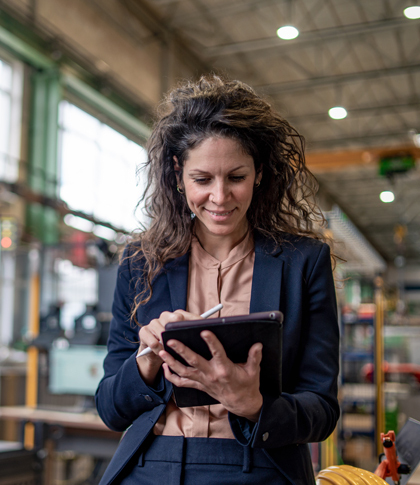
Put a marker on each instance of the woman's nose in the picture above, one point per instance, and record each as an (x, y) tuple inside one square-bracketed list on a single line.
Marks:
[(220, 193)]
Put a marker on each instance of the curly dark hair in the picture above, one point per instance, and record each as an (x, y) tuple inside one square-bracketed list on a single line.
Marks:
[(284, 201)]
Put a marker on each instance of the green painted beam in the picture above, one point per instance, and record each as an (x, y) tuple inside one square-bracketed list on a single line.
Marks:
[(24, 51), (104, 105)]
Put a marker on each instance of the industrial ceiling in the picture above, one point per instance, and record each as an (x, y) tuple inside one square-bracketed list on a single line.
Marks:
[(363, 55)]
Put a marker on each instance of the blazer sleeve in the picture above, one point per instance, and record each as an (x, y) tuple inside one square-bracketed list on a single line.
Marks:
[(122, 394), (310, 412)]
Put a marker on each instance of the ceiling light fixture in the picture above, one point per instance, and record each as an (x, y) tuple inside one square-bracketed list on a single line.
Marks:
[(415, 136), (412, 12), (387, 196), (287, 32), (337, 113)]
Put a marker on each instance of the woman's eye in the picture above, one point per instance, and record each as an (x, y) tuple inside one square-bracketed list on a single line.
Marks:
[(206, 180), (237, 178)]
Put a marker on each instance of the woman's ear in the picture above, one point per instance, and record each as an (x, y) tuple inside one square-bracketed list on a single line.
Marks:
[(258, 177), (177, 169)]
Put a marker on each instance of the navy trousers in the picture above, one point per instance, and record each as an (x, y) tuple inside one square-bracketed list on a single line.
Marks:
[(175, 460)]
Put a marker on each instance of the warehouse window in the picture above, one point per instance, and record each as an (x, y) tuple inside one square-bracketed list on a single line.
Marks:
[(11, 75), (98, 169)]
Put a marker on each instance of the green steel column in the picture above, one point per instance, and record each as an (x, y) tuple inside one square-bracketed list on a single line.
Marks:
[(42, 221)]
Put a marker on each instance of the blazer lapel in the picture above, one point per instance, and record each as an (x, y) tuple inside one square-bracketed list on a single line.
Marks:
[(267, 277), (266, 280), (177, 274)]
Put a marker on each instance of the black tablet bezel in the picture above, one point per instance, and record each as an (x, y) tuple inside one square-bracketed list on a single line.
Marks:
[(238, 333)]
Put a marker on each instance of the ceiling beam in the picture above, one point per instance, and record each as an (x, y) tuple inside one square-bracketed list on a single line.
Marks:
[(408, 105), (158, 25), (381, 228), (222, 33), (388, 139), (342, 159), (316, 81), (311, 38), (223, 11)]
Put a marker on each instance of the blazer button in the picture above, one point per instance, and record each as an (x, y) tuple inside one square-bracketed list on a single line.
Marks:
[(148, 398), (265, 436)]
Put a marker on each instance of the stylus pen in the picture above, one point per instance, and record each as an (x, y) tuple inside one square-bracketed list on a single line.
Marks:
[(206, 314)]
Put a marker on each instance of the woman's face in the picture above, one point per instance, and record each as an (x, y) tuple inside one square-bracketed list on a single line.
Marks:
[(219, 179)]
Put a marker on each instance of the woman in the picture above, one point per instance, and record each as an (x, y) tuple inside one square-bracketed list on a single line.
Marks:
[(232, 221)]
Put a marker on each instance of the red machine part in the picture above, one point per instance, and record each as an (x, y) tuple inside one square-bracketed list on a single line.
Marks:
[(392, 368)]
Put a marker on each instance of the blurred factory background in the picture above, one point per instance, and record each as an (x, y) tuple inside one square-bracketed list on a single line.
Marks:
[(80, 82)]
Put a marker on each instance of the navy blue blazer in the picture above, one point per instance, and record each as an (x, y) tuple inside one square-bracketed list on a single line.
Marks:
[(296, 279)]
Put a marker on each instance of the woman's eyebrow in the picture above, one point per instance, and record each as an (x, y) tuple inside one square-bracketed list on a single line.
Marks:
[(238, 168), (197, 170)]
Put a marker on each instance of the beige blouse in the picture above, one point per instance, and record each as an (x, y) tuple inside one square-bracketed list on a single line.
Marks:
[(211, 282)]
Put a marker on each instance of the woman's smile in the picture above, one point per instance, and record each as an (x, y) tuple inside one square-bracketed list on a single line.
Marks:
[(220, 214)]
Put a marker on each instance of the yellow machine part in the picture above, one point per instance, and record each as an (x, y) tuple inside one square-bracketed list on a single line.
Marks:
[(347, 475)]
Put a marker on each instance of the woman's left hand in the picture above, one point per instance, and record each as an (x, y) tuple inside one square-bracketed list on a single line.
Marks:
[(235, 386)]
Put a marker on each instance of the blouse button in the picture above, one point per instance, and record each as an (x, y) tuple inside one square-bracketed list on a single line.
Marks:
[(148, 398), (265, 436)]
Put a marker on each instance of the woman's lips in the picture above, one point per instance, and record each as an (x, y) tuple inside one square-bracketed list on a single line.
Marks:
[(220, 213)]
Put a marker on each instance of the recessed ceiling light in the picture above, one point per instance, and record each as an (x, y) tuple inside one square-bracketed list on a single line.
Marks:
[(287, 32), (412, 12), (337, 113), (387, 196)]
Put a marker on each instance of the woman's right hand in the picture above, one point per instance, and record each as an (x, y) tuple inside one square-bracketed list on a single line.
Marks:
[(150, 336)]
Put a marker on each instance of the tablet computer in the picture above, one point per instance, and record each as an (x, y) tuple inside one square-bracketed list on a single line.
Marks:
[(237, 335)]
